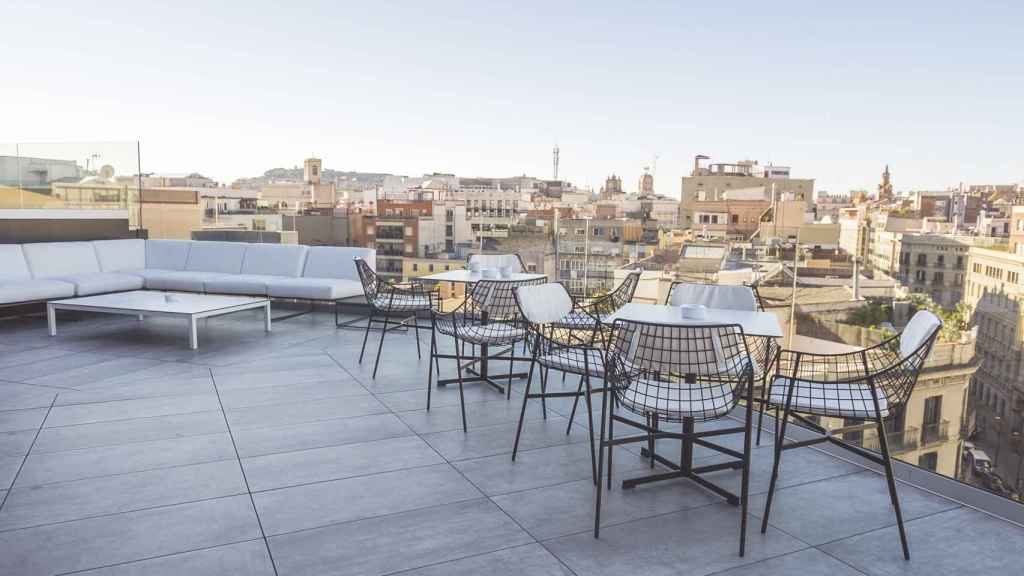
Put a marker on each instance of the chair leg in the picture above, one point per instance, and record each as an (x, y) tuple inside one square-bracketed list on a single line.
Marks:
[(430, 366), (779, 440), (380, 346), (522, 413), (575, 402), (462, 397), (745, 483), (590, 429), (416, 332), (890, 478), (611, 435), (760, 412), (511, 369), (600, 463), (652, 422), (366, 335), (544, 391)]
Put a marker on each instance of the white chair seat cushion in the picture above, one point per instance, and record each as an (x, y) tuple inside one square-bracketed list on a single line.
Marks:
[(573, 360), (678, 400), (30, 290), (313, 288), (87, 284), (176, 280), (492, 333), (248, 284), (840, 399), (577, 319), (402, 302), (55, 259)]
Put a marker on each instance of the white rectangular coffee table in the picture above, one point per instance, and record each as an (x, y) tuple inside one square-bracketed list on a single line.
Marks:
[(148, 303)]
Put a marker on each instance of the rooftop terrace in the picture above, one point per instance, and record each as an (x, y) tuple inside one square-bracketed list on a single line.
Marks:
[(124, 452)]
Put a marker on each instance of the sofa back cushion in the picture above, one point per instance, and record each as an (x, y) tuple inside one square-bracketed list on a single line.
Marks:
[(274, 259), (12, 263), (167, 254), (115, 255), (50, 259), (336, 262), (222, 257)]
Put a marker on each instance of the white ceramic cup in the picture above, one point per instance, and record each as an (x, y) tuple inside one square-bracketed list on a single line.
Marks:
[(474, 266), (489, 273)]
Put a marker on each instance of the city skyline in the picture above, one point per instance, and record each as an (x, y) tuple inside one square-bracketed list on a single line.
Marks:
[(835, 92)]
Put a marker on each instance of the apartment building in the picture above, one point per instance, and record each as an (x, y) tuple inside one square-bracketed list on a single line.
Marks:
[(591, 250), (935, 264), (401, 229), (491, 207), (727, 200)]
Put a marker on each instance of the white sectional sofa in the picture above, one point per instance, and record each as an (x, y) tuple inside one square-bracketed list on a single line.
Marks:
[(45, 271)]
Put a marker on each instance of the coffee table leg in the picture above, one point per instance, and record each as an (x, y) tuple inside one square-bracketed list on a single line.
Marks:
[(51, 319), (266, 315), (193, 333)]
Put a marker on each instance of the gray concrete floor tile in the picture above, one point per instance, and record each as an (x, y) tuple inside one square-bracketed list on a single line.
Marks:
[(532, 559), (248, 558), (148, 388), (107, 540), (134, 408), (446, 396), (699, 541), (289, 392), (28, 419), (285, 414), (130, 431), (318, 434), (539, 467), (336, 462), (323, 503), (444, 418), (565, 509), (953, 543), (809, 562), (9, 466), (85, 375), (482, 440), (403, 541), (43, 368), (798, 467), (16, 443), (15, 357), (14, 396), (62, 501), (835, 508), (124, 458)]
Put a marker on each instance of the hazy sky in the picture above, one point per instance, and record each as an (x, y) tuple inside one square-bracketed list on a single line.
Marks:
[(835, 90)]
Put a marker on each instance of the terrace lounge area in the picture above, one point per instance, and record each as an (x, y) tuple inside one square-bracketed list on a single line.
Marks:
[(122, 451)]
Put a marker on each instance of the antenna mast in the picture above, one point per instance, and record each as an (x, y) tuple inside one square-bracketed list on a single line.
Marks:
[(554, 154)]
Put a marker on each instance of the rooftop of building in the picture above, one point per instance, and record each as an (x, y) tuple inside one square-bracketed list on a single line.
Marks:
[(279, 453)]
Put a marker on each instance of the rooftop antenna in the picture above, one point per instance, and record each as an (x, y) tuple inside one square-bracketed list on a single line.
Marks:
[(554, 154)]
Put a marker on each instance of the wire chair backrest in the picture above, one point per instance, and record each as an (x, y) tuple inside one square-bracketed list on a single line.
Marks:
[(498, 261), (720, 296), (663, 365), (546, 309), (914, 345), (368, 278), (622, 295), (496, 299)]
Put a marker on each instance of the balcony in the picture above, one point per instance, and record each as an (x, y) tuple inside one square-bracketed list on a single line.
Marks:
[(934, 433), (900, 441)]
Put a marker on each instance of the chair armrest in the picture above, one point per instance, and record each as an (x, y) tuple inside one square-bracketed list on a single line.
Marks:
[(855, 366)]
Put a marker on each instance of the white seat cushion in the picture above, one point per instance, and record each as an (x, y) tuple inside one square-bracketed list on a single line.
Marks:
[(248, 284), (402, 302), (313, 288), (493, 333), (53, 259), (103, 282), (15, 291), (336, 262), (544, 303), (13, 266), (118, 255), (274, 260), (720, 296), (919, 329), (573, 360), (167, 254), (678, 400), (178, 280), (840, 399), (218, 257)]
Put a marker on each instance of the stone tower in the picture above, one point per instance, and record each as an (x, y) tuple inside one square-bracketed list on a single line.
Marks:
[(311, 170), (885, 188)]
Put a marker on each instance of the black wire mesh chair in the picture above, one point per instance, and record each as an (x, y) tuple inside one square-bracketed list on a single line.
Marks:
[(591, 313), (386, 299), (763, 349), (685, 374), (867, 384), (489, 316), (557, 344)]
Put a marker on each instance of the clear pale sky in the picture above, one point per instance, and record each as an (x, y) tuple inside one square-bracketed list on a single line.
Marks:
[(229, 89)]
